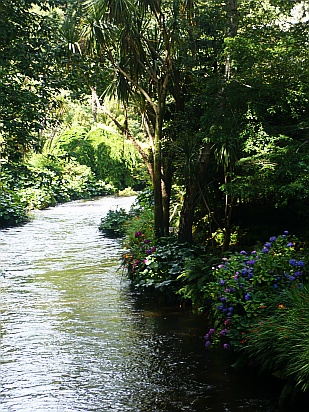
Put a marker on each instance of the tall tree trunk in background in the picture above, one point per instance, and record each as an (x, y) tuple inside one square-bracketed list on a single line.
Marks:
[(166, 183), (191, 194), (232, 18), (157, 163), (94, 105), (231, 31), (187, 214)]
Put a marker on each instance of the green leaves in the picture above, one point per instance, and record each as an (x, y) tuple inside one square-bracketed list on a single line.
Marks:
[(27, 75), (113, 224), (246, 287)]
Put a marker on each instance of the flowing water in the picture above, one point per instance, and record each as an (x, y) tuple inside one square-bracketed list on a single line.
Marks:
[(74, 337)]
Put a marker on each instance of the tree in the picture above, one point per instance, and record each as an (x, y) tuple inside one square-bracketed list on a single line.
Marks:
[(194, 71), (139, 43), (28, 73), (267, 72)]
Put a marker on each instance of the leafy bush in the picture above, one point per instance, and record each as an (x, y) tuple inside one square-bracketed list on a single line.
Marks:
[(113, 223), (159, 264), (110, 157), (37, 198), (12, 210), (244, 287), (195, 276)]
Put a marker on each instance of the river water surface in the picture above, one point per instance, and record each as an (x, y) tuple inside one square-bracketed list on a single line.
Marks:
[(74, 337)]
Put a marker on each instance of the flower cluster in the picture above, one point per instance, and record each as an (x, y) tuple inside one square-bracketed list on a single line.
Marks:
[(140, 249), (245, 286)]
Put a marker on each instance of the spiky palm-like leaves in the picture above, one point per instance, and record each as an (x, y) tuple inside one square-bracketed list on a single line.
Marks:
[(280, 343)]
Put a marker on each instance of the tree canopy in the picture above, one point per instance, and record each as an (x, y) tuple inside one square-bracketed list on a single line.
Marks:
[(220, 90)]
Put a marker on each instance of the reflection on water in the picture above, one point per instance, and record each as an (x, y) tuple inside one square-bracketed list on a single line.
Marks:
[(75, 338)]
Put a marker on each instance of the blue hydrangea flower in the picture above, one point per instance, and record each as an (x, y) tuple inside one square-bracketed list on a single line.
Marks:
[(300, 263), (272, 239), (293, 262)]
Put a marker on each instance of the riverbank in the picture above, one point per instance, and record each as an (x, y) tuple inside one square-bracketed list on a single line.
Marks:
[(256, 300), (76, 336)]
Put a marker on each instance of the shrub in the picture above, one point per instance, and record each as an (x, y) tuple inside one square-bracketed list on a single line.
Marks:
[(37, 198), (12, 209), (158, 265), (245, 286), (113, 223)]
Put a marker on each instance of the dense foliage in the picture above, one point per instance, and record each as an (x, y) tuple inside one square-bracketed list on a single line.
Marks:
[(50, 181), (104, 151), (253, 300), (213, 98), (279, 342), (113, 224), (30, 73), (245, 288)]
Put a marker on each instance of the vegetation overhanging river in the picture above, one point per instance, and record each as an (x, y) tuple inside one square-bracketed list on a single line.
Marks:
[(75, 337)]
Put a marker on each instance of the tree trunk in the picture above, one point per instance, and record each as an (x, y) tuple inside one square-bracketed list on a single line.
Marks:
[(187, 215), (158, 206), (193, 189), (167, 174)]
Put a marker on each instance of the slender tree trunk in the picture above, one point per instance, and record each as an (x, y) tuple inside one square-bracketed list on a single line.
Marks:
[(193, 189), (187, 215), (94, 105), (167, 175), (158, 205), (231, 31), (232, 18)]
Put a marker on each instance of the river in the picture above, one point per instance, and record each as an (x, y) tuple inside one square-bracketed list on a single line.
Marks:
[(75, 337)]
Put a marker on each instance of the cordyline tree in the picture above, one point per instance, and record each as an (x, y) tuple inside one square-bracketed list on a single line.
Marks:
[(153, 51), (211, 120), (137, 42)]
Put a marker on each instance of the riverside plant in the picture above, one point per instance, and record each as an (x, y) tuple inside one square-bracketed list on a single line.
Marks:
[(279, 344), (157, 264), (139, 248), (113, 224), (246, 286)]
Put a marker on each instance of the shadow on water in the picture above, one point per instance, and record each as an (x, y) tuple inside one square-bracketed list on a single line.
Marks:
[(187, 376)]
